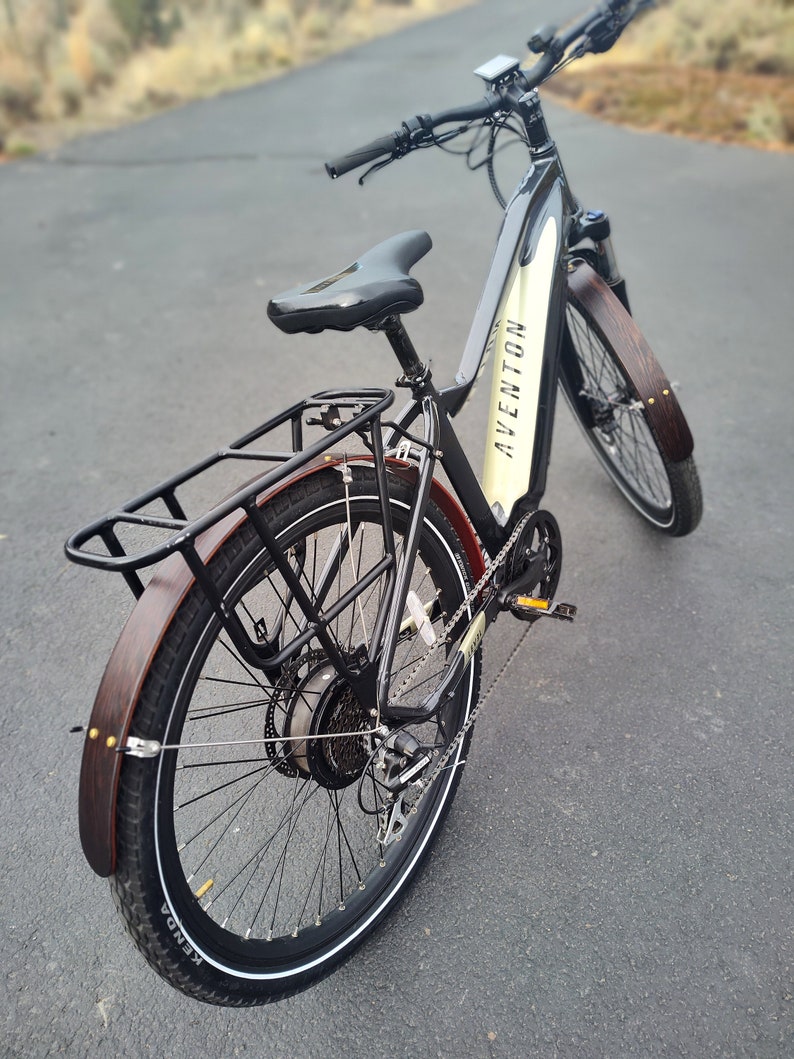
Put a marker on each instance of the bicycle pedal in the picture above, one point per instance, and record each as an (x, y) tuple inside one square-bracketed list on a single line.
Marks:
[(527, 608)]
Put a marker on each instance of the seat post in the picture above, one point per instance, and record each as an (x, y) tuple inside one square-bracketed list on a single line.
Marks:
[(413, 368)]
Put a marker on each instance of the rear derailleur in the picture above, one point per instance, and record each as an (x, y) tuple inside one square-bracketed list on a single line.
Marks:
[(401, 762)]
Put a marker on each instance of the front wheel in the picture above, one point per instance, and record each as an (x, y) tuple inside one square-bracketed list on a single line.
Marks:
[(607, 405), (247, 869)]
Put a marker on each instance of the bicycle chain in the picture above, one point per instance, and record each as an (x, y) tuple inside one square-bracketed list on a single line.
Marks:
[(444, 638), (426, 784)]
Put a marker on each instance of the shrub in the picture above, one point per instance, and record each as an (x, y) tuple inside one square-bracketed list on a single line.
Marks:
[(69, 89), (316, 24), (36, 32), (144, 21), (766, 123), (253, 48), (752, 37), (104, 29), (20, 88)]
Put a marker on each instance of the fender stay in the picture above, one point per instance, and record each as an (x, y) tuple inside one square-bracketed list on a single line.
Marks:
[(618, 330)]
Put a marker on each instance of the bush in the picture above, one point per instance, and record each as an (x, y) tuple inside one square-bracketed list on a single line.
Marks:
[(20, 88), (766, 123), (104, 29), (316, 24), (751, 37), (145, 22), (70, 91)]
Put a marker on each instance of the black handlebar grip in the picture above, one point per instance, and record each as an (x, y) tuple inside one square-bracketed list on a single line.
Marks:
[(361, 156)]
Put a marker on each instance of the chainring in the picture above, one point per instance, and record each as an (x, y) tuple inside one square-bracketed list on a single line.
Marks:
[(540, 536)]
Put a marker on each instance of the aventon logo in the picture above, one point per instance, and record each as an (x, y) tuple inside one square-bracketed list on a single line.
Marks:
[(509, 386), (518, 363)]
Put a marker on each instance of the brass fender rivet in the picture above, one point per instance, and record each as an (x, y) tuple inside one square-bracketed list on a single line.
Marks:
[(93, 733), (666, 393), (651, 400), (110, 742)]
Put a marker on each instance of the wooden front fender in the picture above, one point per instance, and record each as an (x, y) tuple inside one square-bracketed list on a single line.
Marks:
[(120, 688), (618, 330)]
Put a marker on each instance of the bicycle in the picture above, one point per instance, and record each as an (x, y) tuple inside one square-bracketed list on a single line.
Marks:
[(283, 723)]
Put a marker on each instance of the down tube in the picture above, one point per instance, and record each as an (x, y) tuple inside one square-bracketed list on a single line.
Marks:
[(525, 340)]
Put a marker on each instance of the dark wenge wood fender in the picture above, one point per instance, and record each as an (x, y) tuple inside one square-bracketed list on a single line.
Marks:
[(618, 330), (129, 663)]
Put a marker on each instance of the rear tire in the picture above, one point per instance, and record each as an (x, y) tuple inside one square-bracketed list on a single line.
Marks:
[(245, 873)]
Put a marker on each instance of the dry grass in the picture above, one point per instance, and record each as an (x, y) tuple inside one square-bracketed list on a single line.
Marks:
[(713, 69), (746, 36), (719, 69), (726, 106), (98, 69)]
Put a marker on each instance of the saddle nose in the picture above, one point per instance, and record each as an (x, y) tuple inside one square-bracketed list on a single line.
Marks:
[(375, 286)]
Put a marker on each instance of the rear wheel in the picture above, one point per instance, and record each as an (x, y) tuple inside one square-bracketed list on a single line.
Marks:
[(606, 405), (245, 871)]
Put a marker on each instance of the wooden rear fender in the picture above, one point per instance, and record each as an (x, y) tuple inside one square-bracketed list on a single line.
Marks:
[(129, 663), (616, 328)]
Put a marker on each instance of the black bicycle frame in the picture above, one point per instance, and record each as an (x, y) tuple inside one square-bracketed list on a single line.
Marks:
[(533, 241), (541, 203), (543, 195)]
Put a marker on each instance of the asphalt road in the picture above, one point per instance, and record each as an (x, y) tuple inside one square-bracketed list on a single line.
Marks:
[(615, 877)]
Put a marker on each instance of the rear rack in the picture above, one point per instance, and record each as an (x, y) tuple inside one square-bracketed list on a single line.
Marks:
[(181, 531)]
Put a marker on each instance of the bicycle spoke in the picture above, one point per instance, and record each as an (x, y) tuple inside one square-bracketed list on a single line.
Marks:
[(621, 430), (270, 857)]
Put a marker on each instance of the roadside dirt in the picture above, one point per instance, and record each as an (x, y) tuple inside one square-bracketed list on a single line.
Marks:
[(752, 109)]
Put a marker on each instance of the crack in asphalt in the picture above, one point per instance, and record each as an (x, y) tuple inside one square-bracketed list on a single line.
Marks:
[(130, 163)]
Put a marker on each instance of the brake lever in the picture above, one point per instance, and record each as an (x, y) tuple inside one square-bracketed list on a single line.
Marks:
[(415, 144), (374, 168)]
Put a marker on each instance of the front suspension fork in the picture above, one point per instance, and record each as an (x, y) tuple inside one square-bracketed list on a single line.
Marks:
[(595, 226)]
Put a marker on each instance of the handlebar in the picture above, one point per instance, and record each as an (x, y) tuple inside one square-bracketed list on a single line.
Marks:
[(368, 153), (596, 31), (412, 133)]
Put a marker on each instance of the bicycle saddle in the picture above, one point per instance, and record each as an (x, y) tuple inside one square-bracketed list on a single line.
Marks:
[(375, 286)]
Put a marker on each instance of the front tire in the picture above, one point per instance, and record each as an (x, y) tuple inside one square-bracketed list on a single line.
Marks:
[(606, 405), (246, 872)]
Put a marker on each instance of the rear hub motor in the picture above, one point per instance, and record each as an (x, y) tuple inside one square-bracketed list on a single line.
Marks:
[(324, 705)]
